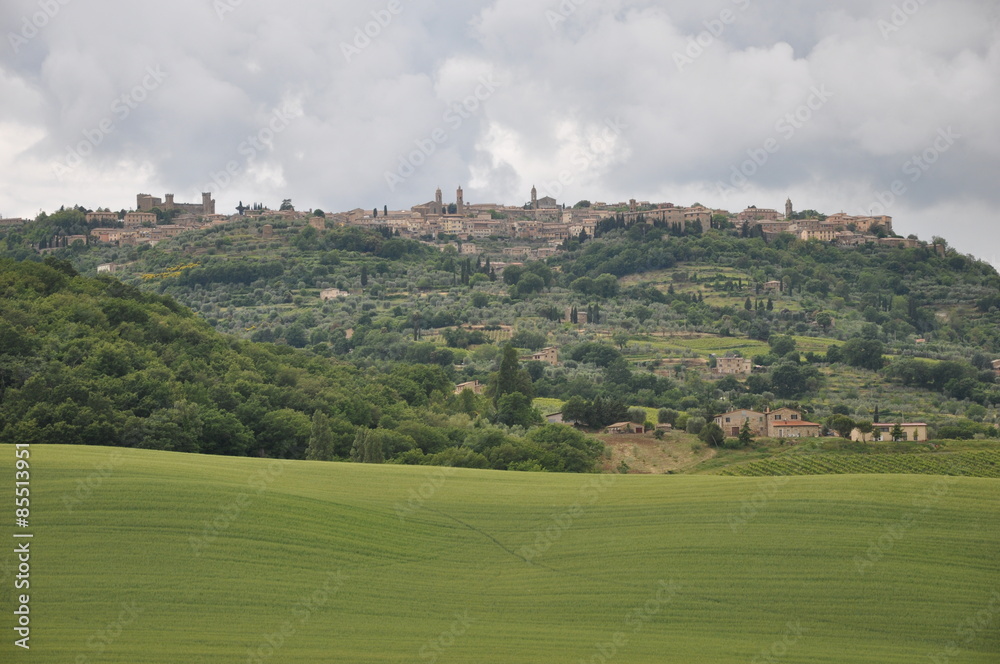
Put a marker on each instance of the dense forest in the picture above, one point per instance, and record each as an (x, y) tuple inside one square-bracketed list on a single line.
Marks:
[(97, 362)]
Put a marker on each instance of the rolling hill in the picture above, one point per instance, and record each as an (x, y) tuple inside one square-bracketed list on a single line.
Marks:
[(147, 557)]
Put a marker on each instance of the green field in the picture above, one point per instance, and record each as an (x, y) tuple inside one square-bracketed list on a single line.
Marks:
[(322, 562), (970, 464)]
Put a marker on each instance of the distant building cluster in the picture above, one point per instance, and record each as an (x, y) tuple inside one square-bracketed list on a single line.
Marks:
[(843, 229), (542, 222), (541, 219), (790, 423), (142, 225)]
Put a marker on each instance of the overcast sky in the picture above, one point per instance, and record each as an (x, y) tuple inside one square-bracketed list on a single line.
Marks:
[(724, 102)]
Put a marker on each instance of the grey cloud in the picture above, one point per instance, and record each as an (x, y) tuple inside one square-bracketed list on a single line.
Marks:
[(568, 68)]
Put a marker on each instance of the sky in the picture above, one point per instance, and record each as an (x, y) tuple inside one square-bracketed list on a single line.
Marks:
[(860, 106)]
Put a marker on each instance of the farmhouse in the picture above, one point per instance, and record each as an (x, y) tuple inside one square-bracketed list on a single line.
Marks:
[(475, 387), (332, 294), (915, 432), (623, 428), (733, 366), (547, 355), (732, 422), (781, 423)]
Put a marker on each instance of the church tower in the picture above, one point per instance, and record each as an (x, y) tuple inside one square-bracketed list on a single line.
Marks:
[(788, 209), (460, 201), (534, 198)]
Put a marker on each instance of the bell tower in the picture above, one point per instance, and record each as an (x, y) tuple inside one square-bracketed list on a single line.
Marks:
[(788, 209), (460, 201), (534, 198)]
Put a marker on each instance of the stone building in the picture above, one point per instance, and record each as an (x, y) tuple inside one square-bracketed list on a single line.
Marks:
[(145, 203), (733, 366)]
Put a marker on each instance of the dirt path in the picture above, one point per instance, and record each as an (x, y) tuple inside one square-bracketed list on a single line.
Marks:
[(647, 456)]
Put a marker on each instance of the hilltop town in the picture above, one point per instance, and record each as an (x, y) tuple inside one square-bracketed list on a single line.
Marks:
[(538, 228)]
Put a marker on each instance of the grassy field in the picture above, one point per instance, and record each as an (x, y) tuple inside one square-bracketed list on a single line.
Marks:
[(142, 557)]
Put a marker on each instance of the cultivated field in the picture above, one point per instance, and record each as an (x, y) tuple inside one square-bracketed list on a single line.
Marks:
[(169, 558)]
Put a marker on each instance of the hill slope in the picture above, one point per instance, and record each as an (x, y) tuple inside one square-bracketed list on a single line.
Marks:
[(214, 559)]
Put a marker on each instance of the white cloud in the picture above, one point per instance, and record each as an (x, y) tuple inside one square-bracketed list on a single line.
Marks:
[(565, 75)]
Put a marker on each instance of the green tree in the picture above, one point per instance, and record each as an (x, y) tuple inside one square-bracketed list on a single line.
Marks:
[(284, 433), (576, 409), (788, 380), (695, 425), (865, 427), (509, 378), (864, 353), (712, 434), (667, 416), (842, 424), (321, 442), (897, 433), (781, 345), (746, 434), (367, 447), (515, 409)]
